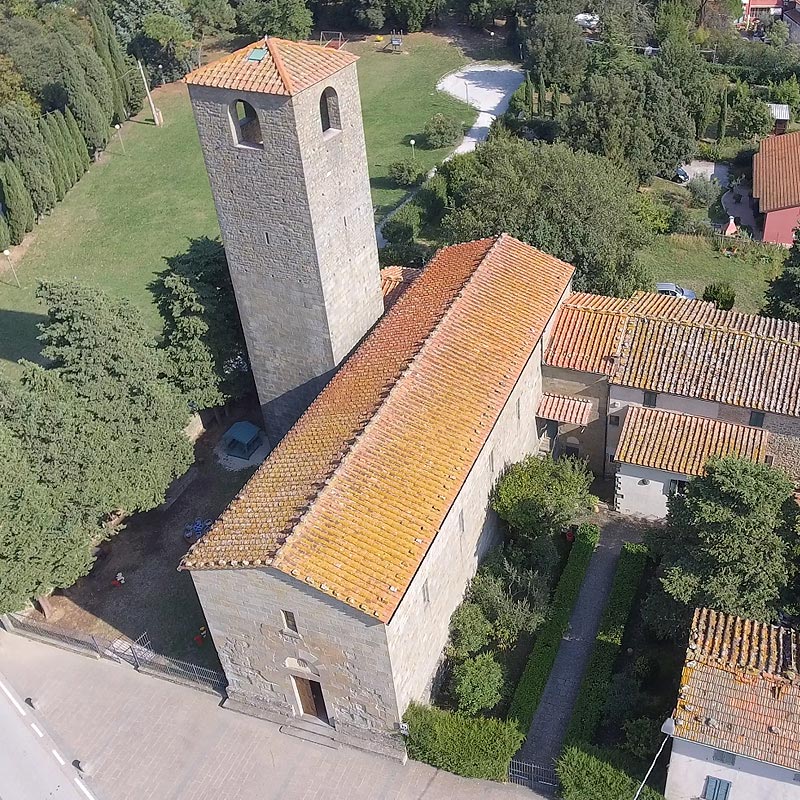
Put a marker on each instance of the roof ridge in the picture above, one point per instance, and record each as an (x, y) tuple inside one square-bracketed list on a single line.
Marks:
[(387, 392), (718, 324), (272, 46)]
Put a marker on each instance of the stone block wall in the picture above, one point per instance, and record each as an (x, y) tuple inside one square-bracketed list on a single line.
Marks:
[(419, 629), (341, 648)]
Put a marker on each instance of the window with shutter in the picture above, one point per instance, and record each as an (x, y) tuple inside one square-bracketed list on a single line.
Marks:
[(716, 789)]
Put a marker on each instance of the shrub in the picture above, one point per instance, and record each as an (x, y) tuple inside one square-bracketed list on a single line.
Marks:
[(721, 294), (642, 737), (442, 131), (477, 684), (474, 748), (705, 191), (403, 226), (404, 254), (432, 198), (586, 772), (405, 172), (588, 709), (469, 630), (542, 495), (531, 686), (709, 151)]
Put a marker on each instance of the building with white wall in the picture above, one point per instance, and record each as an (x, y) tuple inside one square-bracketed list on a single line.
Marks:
[(737, 726), (660, 451)]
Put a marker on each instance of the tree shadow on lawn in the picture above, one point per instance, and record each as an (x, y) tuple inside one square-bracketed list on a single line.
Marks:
[(156, 598), (18, 332)]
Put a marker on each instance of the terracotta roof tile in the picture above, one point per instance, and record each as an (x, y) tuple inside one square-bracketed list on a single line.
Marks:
[(776, 172), (570, 410), (740, 690), (354, 495), (394, 281), (683, 443), (272, 66)]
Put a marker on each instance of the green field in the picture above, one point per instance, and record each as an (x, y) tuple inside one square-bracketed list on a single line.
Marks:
[(693, 262), (133, 209)]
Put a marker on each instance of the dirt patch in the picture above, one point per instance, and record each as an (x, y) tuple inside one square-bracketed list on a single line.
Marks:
[(155, 599)]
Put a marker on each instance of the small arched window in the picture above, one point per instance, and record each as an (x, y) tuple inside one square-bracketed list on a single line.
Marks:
[(329, 111), (246, 124)]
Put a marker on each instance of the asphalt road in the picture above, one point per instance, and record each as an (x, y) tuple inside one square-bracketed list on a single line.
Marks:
[(29, 769)]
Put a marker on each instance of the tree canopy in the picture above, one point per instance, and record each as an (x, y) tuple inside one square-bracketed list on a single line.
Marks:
[(557, 50), (288, 19), (783, 294), (724, 545), (578, 206)]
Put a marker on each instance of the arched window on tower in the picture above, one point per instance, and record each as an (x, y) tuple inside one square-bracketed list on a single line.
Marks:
[(329, 111), (246, 125)]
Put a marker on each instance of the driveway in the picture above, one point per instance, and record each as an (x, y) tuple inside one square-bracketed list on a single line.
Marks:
[(709, 169), (487, 87)]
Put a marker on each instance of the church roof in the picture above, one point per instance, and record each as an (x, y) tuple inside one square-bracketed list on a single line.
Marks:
[(272, 66), (352, 498)]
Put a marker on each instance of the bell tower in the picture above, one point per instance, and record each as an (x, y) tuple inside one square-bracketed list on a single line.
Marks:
[(281, 133)]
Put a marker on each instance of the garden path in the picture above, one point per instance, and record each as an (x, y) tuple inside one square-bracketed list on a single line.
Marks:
[(549, 725)]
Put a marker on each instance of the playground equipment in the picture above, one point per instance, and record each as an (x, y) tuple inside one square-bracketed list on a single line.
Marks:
[(395, 42), (332, 40)]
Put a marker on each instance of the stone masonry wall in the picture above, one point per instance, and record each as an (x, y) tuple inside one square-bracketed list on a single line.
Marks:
[(587, 386), (342, 648), (306, 291), (419, 629)]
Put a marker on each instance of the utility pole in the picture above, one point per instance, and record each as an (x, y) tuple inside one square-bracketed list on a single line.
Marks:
[(156, 113)]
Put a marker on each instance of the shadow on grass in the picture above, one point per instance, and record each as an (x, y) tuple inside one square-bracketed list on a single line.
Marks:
[(18, 331)]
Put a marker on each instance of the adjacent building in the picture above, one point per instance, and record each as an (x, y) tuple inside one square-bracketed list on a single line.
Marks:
[(776, 186), (737, 727)]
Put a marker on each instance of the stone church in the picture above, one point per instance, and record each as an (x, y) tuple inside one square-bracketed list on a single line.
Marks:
[(394, 400)]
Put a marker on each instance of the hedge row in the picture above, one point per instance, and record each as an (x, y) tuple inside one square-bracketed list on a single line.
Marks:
[(585, 772), (548, 639), (588, 709), (479, 747)]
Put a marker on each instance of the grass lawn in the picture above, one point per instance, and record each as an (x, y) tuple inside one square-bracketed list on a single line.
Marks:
[(693, 262), (133, 209)]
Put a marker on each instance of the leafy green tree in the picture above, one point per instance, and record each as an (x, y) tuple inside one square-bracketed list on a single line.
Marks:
[(477, 684), (540, 194), (779, 33), (751, 118), (206, 353), (42, 546), (634, 117), (442, 130), (470, 630), (786, 91), (287, 19), (543, 495), (209, 18), (557, 50), (783, 294), (723, 546), (722, 127), (722, 294), (22, 143), (370, 14), (12, 87), (127, 16), (101, 350), (411, 15), (682, 64), (17, 202)]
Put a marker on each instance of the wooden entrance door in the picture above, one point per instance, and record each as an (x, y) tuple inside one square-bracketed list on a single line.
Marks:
[(311, 700)]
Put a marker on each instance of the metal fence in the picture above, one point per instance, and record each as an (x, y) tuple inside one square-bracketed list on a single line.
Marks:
[(535, 776), (137, 653)]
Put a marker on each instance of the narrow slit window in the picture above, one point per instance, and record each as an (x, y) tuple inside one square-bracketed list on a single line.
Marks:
[(289, 622), (329, 110)]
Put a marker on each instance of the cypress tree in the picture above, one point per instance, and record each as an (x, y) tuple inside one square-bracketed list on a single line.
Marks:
[(541, 96), (555, 101), (723, 115), (528, 91), (5, 233), (57, 167), (101, 46), (16, 201), (80, 142), (22, 143), (66, 146), (98, 81)]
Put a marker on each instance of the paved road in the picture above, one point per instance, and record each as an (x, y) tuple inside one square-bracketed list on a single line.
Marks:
[(487, 87), (28, 767), (148, 739), (549, 726)]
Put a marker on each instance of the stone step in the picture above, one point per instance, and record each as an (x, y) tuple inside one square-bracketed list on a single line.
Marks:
[(311, 731)]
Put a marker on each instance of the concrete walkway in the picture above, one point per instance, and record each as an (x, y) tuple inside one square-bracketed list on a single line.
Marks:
[(147, 739), (549, 726)]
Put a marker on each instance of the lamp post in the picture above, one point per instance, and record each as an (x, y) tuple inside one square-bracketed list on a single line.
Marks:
[(668, 729), (7, 254), (491, 36), (118, 129), (466, 91), (412, 142)]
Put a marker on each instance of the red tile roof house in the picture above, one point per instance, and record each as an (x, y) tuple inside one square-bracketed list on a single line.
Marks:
[(752, 9), (776, 186), (737, 719)]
